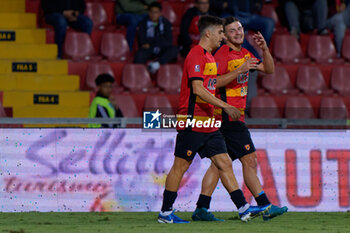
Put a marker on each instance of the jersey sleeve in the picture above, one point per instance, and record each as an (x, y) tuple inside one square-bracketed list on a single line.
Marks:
[(195, 68), (221, 62)]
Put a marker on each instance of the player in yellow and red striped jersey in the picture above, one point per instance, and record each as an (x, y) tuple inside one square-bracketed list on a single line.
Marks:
[(197, 103), (233, 90)]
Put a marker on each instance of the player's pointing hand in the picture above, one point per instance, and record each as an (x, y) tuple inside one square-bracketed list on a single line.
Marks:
[(260, 41)]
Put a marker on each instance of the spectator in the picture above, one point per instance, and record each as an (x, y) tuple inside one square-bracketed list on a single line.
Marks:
[(155, 39), (130, 13), (104, 105), (338, 21), (248, 14), (189, 33), (60, 13), (306, 15)]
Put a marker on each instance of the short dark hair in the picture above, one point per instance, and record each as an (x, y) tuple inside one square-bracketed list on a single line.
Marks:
[(229, 20), (206, 21), (155, 4), (104, 78)]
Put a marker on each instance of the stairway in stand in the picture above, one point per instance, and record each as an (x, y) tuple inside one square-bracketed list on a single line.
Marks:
[(32, 81)]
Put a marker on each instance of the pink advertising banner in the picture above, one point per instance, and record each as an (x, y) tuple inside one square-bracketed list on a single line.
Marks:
[(125, 170)]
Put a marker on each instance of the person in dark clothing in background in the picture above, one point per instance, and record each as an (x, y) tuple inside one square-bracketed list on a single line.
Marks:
[(61, 13), (130, 13), (155, 39), (104, 104), (248, 14), (189, 33), (305, 16)]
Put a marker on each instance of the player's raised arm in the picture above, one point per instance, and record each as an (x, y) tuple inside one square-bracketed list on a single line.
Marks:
[(267, 66), (204, 94)]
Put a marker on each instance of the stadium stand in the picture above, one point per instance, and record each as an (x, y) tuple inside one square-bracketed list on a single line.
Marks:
[(34, 83)]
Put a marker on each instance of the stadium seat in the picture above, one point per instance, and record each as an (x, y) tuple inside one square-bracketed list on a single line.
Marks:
[(333, 108), (346, 48), (78, 46), (269, 11), (310, 80), (95, 69), (278, 82), (264, 107), (169, 13), (169, 78), (340, 80), (161, 102), (287, 49), (127, 105), (298, 107), (115, 47), (137, 79), (97, 13), (322, 50)]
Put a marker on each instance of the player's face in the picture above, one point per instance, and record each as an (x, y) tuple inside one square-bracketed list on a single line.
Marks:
[(217, 35), (154, 14), (105, 89), (235, 33)]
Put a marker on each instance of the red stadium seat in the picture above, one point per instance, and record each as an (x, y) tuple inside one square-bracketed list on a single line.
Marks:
[(322, 50), (78, 46), (333, 108), (299, 107), (340, 80), (95, 69), (137, 79), (97, 13), (127, 105), (310, 80), (115, 47), (269, 11), (161, 102), (169, 13), (169, 78), (287, 49), (264, 107), (346, 48), (279, 82)]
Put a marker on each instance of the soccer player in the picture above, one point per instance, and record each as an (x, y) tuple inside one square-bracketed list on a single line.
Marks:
[(196, 103), (232, 58)]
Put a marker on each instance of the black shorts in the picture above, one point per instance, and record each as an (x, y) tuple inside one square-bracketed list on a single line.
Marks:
[(237, 138), (188, 143)]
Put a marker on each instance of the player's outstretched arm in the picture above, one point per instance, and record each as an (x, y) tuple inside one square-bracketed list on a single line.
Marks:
[(268, 66), (225, 79), (204, 94)]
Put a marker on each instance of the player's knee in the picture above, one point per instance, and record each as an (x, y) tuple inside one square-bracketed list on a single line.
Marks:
[(224, 164), (250, 161), (181, 165)]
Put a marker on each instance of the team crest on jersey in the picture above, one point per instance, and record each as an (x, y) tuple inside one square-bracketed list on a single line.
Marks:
[(247, 147), (197, 68), (189, 152)]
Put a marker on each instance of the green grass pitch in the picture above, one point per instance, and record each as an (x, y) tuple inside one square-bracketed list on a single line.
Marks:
[(292, 222)]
